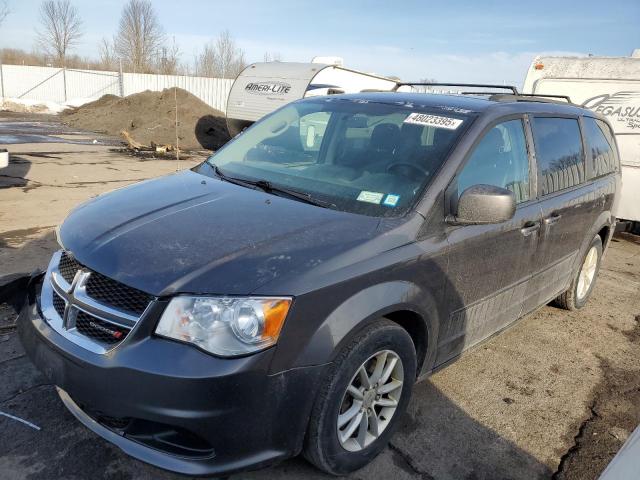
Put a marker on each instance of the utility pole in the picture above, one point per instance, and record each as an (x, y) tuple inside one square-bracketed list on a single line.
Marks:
[(175, 98), (64, 81), (121, 79)]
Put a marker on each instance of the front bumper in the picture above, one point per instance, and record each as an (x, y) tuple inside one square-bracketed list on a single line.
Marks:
[(173, 406)]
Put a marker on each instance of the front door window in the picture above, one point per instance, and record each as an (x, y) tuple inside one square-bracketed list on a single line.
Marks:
[(501, 160)]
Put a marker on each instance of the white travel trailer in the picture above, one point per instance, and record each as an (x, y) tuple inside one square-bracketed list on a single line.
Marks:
[(263, 87), (611, 87)]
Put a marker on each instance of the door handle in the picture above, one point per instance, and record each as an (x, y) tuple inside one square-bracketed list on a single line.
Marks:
[(529, 228), (552, 219)]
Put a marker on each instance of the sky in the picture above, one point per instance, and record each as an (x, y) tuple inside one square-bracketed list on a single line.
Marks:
[(470, 41)]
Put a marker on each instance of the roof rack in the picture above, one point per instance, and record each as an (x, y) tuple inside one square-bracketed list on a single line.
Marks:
[(513, 89), (539, 97), (530, 95), (535, 97)]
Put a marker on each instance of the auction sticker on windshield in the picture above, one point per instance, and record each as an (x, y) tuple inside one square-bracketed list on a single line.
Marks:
[(435, 121), (370, 197)]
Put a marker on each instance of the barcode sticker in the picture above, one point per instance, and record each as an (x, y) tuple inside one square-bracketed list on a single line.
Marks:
[(435, 121)]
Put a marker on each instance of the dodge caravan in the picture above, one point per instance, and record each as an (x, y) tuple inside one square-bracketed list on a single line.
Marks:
[(284, 296)]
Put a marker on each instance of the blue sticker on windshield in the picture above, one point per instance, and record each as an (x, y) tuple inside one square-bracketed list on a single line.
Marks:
[(391, 200)]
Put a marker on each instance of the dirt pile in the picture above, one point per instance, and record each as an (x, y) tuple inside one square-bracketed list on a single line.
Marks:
[(150, 117)]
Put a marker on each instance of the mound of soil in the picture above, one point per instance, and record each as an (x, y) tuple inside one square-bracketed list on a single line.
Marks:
[(150, 117)]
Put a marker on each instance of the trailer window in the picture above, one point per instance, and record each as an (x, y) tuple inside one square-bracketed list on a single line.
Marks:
[(559, 153), (601, 151), (369, 158)]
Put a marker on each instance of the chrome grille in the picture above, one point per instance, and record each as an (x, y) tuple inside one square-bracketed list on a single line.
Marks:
[(105, 290), (68, 267), (104, 332), (58, 304), (116, 294), (87, 307)]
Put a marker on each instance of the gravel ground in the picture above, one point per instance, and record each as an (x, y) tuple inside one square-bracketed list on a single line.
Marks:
[(554, 396)]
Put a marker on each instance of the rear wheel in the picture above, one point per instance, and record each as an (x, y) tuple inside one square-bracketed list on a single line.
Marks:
[(582, 285), (363, 396)]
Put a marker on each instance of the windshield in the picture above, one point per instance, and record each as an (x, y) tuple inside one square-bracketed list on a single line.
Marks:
[(357, 156)]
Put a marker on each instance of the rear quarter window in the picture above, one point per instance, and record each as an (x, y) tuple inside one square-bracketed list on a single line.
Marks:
[(559, 153), (602, 157)]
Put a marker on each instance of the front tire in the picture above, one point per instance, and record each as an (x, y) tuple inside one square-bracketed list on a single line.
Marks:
[(363, 396), (582, 285)]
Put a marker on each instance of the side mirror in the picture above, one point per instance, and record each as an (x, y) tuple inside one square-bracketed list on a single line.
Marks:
[(485, 204)]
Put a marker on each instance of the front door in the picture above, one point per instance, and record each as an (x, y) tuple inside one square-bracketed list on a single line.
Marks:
[(489, 265)]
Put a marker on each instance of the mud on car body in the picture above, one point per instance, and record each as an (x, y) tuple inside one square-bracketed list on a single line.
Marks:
[(284, 295)]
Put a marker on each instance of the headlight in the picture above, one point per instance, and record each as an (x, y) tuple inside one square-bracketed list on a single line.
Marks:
[(225, 326)]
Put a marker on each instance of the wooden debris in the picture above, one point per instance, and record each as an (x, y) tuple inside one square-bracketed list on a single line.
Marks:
[(139, 147)]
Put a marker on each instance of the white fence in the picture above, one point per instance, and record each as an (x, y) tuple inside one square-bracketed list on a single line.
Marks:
[(81, 86)]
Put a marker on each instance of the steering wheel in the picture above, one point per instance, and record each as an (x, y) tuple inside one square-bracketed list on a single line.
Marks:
[(406, 169)]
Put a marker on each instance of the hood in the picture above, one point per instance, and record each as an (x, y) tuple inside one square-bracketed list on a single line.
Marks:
[(194, 234)]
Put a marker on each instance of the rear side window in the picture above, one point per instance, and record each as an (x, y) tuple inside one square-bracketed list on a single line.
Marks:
[(500, 159), (559, 153), (602, 157)]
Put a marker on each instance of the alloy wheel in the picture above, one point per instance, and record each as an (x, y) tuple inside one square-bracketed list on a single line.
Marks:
[(587, 273), (370, 401)]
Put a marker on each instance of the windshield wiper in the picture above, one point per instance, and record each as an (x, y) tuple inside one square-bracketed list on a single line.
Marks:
[(227, 178), (269, 187), (302, 196)]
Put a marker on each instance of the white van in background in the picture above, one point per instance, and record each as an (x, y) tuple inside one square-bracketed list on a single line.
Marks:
[(611, 87), (263, 87)]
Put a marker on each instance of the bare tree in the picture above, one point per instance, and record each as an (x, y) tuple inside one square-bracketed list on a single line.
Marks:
[(169, 63), (272, 57), (426, 88), (222, 59), (4, 10), (140, 36), (61, 28), (108, 59)]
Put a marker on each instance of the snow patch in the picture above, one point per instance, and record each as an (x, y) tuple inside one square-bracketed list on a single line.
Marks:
[(23, 105)]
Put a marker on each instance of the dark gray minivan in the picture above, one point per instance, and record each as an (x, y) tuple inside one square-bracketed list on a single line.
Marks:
[(285, 295)]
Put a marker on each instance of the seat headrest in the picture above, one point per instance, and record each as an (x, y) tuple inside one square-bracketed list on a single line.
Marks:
[(384, 137), (411, 134)]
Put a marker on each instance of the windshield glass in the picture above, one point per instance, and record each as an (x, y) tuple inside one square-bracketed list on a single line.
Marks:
[(359, 156)]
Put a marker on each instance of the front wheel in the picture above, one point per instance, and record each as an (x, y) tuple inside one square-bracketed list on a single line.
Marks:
[(582, 285), (364, 394)]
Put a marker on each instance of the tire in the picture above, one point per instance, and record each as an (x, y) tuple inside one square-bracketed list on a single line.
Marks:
[(323, 448), (578, 294)]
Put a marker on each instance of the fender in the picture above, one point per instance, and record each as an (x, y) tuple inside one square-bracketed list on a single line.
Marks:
[(366, 306), (605, 219)]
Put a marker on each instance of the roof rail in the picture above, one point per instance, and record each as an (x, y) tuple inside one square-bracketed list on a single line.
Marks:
[(513, 89), (533, 96), (562, 97)]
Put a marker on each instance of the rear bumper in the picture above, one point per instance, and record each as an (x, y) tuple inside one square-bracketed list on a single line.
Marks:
[(173, 406)]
